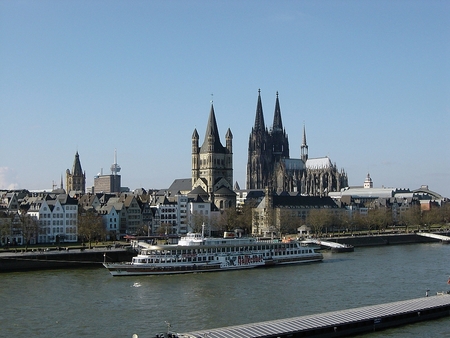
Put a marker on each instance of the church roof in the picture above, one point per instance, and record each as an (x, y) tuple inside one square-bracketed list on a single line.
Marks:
[(319, 163), (293, 164), (180, 186), (213, 132), (224, 191)]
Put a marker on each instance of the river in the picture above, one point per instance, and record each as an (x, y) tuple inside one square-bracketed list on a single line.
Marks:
[(92, 303)]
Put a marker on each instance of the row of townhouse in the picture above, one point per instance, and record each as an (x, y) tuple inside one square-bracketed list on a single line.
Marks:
[(39, 218), (156, 214)]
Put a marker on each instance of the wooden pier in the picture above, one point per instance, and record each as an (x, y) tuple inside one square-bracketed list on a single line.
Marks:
[(338, 323)]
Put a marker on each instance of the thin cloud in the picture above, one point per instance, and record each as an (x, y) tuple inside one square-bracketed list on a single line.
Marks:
[(7, 177)]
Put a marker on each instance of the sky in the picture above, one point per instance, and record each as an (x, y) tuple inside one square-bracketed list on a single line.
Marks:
[(369, 80)]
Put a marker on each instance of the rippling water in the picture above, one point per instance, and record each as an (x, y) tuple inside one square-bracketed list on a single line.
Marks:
[(91, 303)]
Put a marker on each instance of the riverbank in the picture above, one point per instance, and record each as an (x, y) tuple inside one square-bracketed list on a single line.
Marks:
[(21, 260)]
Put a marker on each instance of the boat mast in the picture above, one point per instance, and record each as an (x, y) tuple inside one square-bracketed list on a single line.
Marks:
[(203, 230)]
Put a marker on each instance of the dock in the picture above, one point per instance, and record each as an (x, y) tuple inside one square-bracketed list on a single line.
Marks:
[(337, 323), (334, 246), (443, 239)]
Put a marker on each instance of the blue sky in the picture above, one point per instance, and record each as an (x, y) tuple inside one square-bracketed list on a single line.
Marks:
[(369, 79)]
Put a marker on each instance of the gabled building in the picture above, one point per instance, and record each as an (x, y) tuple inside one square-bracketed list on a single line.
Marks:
[(111, 221), (133, 213), (56, 217)]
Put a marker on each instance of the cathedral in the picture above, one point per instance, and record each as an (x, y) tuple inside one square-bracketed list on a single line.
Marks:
[(269, 164), (212, 166)]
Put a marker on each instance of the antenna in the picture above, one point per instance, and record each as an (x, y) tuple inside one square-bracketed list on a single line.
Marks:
[(115, 168)]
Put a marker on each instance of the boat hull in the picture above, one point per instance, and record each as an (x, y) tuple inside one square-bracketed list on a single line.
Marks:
[(127, 269)]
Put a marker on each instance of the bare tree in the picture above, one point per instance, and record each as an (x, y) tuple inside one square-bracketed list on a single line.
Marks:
[(411, 216), (90, 226), (197, 220), (245, 216), (29, 228), (318, 220), (289, 221)]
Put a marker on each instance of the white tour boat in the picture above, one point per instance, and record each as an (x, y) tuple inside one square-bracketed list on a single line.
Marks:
[(196, 253)]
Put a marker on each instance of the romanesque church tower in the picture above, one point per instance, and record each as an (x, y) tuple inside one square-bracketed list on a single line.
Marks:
[(212, 165), (76, 181)]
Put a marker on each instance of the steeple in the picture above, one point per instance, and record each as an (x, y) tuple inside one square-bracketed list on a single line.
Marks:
[(76, 181), (277, 124), (212, 141), (76, 168), (259, 119), (304, 146)]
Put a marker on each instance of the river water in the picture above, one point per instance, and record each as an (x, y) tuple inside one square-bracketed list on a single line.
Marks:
[(92, 303)]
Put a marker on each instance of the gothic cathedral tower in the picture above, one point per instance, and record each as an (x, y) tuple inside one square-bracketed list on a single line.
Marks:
[(259, 152), (212, 164), (266, 149), (76, 181)]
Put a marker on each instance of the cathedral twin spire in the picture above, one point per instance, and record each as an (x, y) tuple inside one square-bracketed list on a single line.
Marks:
[(259, 119)]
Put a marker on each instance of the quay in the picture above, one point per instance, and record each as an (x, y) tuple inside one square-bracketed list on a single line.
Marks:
[(61, 259), (337, 323)]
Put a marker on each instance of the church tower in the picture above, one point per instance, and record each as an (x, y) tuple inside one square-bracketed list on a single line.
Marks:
[(368, 183), (212, 164), (76, 181), (259, 152), (279, 136), (266, 149)]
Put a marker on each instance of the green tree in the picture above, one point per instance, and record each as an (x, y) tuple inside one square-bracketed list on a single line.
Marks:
[(90, 226)]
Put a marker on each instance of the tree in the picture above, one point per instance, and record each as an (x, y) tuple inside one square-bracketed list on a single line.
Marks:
[(230, 219), (432, 216), (289, 221), (411, 216), (90, 226), (245, 216), (319, 219), (5, 228), (28, 228), (197, 220), (380, 218)]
